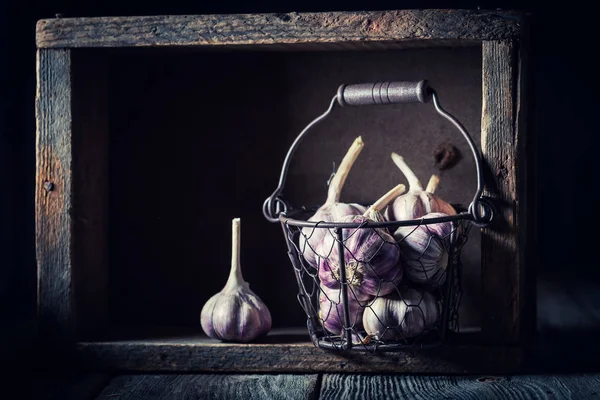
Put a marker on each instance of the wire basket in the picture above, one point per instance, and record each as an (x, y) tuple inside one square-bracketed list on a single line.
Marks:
[(377, 285)]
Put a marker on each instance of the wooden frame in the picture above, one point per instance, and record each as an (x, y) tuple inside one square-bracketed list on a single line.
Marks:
[(71, 187)]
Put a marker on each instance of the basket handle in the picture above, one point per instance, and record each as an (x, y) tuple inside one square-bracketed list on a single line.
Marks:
[(378, 93)]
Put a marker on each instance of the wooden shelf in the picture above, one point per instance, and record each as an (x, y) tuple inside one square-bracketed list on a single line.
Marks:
[(82, 285), (284, 350)]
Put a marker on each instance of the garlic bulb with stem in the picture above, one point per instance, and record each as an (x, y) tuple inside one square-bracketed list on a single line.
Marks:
[(331, 311), (417, 202), (236, 313), (371, 256), (402, 315), (332, 209), (425, 250)]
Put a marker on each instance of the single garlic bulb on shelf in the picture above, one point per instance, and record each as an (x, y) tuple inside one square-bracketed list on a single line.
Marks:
[(332, 210), (407, 315), (416, 202), (425, 249), (236, 313)]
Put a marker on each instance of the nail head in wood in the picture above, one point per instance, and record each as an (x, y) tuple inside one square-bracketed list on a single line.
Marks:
[(48, 186)]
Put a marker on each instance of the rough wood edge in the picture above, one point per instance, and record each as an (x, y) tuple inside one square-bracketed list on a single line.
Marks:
[(292, 358), (53, 195), (285, 28), (501, 268)]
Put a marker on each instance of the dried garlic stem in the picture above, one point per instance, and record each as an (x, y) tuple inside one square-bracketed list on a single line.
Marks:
[(235, 274), (385, 199), (413, 181), (433, 183), (338, 180)]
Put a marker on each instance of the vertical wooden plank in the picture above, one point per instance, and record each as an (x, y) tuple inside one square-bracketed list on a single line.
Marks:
[(90, 191), (53, 195), (501, 263)]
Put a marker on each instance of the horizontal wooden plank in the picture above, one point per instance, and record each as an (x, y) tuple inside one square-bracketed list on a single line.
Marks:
[(287, 28), (463, 387), (151, 387), (284, 351)]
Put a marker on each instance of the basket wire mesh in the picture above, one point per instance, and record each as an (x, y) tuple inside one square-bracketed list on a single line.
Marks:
[(335, 315)]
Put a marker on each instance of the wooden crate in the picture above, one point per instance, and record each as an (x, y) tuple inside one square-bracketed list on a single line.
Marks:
[(121, 218)]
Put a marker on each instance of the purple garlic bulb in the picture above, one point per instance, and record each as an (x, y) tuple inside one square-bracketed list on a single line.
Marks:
[(371, 256), (401, 316), (425, 250), (332, 210), (236, 313), (331, 311), (417, 202)]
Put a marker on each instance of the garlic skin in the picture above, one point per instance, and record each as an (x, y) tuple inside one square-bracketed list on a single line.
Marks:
[(236, 313), (417, 202), (332, 210), (425, 250), (371, 256), (331, 311), (403, 316)]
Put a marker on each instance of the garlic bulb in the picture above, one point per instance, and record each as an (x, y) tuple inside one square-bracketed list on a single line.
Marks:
[(401, 316), (332, 209), (425, 250), (417, 202), (235, 314), (331, 311), (371, 256)]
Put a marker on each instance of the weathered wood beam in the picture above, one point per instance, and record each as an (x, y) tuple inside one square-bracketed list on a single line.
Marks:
[(288, 28)]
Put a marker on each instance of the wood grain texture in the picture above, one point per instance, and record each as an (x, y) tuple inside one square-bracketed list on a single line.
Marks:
[(90, 191), (501, 267), (460, 387), (201, 354), (55, 385), (158, 387), (53, 194), (288, 28)]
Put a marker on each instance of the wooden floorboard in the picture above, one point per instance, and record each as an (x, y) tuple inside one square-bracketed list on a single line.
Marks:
[(460, 387), (59, 386), (312, 386), (210, 386)]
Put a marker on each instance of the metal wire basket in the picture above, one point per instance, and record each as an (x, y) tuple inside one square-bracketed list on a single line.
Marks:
[(411, 306)]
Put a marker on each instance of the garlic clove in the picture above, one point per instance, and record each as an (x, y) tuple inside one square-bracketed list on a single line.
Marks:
[(236, 313), (401, 316), (425, 250)]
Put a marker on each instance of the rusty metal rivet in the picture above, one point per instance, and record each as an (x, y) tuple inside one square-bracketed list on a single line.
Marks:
[(48, 186)]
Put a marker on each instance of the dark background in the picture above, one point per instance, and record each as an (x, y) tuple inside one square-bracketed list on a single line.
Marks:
[(563, 110)]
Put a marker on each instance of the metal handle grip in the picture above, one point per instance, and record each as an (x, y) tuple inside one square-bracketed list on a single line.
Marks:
[(481, 208), (363, 94)]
